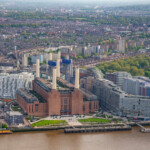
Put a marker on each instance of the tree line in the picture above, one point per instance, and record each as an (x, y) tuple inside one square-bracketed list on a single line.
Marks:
[(138, 66)]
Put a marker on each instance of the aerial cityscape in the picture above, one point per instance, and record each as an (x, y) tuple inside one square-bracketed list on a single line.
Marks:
[(74, 75)]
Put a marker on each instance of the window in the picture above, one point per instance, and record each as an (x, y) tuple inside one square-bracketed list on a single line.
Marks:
[(36, 107), (83, 86), (139, 113), (90, 106), (65, 101), (133, 106), (83, 108), (65, 107), (69, 106)]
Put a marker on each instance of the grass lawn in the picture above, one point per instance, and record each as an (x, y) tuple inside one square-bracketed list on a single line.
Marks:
[(48, 122), (97, 120)]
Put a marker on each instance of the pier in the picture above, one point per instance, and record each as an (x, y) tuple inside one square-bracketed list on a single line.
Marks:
[(143, 129), (97, 129)]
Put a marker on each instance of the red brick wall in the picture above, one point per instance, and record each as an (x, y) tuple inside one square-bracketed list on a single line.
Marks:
[(77, 102), (30, 108), (66, 104), (94, 106), (22, 103), (40, 91), (54, 103), (86, 107), (90, 106)]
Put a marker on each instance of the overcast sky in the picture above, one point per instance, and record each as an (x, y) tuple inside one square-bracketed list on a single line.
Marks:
[(93, 2), (115, 2), (99, 0), (136, 1)]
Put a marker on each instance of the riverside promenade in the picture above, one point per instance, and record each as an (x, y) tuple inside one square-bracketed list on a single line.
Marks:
[(73, 126)]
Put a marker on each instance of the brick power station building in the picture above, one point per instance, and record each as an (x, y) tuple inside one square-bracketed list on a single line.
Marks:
[(58, 97)]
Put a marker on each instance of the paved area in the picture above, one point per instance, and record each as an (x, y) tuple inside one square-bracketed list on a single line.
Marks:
[(71, 120)]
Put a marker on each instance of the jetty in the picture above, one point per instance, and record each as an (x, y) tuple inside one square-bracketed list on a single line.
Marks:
[(97, 129), (143, 129)]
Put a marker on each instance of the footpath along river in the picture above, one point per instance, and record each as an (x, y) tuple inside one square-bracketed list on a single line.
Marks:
[(58, 140)]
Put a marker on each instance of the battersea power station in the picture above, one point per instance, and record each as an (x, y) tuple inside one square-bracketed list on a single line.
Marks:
[(56, 96)]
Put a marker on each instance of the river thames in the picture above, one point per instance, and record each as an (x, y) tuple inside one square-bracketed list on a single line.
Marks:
[(58, 140)]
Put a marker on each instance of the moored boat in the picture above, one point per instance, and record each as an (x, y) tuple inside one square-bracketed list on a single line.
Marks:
[(144, 130), (5, 131)]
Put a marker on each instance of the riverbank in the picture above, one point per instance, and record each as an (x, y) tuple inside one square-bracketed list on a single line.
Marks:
[(58, 140), (132, 124)]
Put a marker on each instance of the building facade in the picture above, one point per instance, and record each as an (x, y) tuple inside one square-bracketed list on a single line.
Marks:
[(9, 83), (131, 86), (49, 99), (137, 86), (118, 77), (114, 100), (121, 45), (35, 57)]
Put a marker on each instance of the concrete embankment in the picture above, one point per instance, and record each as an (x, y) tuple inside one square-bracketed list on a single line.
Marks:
[(36, 129), (96, 127), (144, 123), (61, 127)]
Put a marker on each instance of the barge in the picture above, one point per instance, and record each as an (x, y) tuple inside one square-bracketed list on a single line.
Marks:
[(5, 132)]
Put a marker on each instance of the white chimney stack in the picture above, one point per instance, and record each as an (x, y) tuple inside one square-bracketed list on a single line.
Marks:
[(77, 78), (18, 64), (59, 55), (54, 79), (67, 56), (25, 60), (50, 56), (58, 67), (38, 68)]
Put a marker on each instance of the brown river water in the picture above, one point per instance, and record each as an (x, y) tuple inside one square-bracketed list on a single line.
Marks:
[(58, 140)]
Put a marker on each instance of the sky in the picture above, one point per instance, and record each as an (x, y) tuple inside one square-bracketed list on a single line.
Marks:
[(93, 2), (133, 1), (116, 2), (136, 1)]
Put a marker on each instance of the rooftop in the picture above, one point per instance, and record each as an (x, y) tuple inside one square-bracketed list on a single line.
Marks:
[(28, 97), (88, 95), (44, 84), (64, 83), (6, 64), (39, 97), (14, 113)]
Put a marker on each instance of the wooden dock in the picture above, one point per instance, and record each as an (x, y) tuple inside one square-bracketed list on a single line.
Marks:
[(97, 129)]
